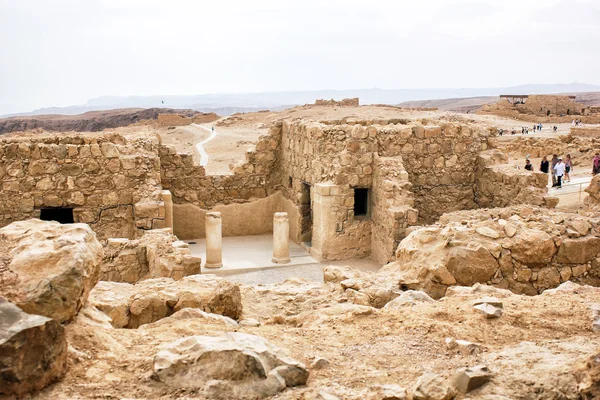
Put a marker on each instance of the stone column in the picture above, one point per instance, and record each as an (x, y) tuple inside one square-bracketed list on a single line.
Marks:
[(281, 238), (214, 240), (167, 198)]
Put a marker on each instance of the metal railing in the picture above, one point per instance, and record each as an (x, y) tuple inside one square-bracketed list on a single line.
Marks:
[(560, 192)]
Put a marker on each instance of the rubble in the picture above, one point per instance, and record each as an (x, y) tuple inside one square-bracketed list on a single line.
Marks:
[(467, 379)]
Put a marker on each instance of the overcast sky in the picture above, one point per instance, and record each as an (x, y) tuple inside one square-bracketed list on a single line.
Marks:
[(63, 52)]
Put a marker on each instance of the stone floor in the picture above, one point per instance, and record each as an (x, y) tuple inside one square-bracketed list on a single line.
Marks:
[(247, 260)]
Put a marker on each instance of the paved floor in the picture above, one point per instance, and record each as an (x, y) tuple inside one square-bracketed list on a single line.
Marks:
[(574, 186), (249, 253), (247, 260)]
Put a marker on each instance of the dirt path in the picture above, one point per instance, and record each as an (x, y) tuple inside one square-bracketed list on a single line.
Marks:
[(200, 146)]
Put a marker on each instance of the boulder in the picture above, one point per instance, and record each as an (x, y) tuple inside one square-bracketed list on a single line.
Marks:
[(51, 268), (532, 246), (409, 298), (387, 392), (467, 379), (432, 386), (33, 351), (226, 300), (234, 365), (578, 251), (470, 265)]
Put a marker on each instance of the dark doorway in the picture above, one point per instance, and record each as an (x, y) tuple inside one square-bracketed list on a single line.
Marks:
[(548, 113), (306, 212), (361, 202), (568, 111), (62, 215)]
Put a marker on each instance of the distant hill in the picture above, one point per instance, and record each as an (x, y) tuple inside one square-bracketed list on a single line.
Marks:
[(468, 104), (92, 121), (227, 103)]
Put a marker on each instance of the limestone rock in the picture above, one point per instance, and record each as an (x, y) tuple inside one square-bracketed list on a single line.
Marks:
[(249, 322), (464, 347), (578, 251), (409, 298), (388, 392), (226, 300), (532, 246), (467, 379), (490, 307), (319, 363), (237, 365), (33, 351), (595, 313), (192, 313), (588, 377), (432, 386), (51, 267)]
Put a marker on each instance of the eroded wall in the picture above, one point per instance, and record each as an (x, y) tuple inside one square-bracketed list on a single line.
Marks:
[(111, 183)]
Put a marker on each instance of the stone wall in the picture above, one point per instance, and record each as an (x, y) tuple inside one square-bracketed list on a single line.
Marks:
[(543, 108), (353, 102), (524, 249), (501, 185), (586, 131), (111, 183), (157, 254)]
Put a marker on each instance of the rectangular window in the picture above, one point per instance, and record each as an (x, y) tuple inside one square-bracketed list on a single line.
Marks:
[(62, 215), (361, 202)]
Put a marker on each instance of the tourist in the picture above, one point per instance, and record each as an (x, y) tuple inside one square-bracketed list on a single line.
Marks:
[(544, 165), (534, 129), (528, 165), (559, 171), (596, 165), (568, 167), (552, 165)]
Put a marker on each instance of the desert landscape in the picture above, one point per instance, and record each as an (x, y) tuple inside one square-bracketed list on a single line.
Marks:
[(404, 253)]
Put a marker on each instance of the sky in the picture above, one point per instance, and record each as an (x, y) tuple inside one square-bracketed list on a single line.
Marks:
[(64, 52)]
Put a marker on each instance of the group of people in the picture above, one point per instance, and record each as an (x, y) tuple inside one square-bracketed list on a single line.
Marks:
[(577, 122), (560, 169), (525, 130)]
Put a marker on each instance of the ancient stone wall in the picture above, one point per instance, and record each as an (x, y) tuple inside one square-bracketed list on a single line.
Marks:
[(543, 108), (111, 183), (393, 204), (353, 102), (157, 254), (501, 185), (586, 131)]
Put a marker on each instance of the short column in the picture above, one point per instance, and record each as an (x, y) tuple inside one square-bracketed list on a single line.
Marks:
[(167, 198), (281, 238), (214, 240)]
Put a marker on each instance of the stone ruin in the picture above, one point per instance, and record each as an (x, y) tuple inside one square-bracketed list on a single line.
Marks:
[(353, 102), (542, 108), (117, 267)]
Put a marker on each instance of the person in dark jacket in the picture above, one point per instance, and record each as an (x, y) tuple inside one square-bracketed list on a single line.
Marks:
[(544, 165), (528, 165)]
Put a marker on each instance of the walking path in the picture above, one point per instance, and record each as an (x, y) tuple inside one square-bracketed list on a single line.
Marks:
[(571, 187), (200, 146)]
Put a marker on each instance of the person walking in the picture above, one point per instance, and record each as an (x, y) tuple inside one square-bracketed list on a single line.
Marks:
[(596, 165), (559, 170), (528, 165), (568, 167), (553, 163), (544, 165)]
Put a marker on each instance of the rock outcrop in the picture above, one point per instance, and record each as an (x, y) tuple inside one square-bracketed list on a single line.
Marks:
[(231, 366), (47, 268), (130, 306), (33, 351)]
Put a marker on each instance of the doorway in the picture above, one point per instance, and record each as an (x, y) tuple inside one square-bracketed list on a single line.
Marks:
[(306, 214), (62, 215)]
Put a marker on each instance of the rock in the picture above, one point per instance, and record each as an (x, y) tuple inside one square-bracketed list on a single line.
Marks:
[(587, 375), (409, 298), (388, 392), (319, 363), (595, 311), (51, 267), (464, 347), (192, 313), (432, 386), (487, 232), (490, 307), (356, 297), (532, 246), (578, 251), (249, 322), (510, 230), (33, 351), (470, 265), (467, 379), (226, 300), (130, 306), (237, 365)]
